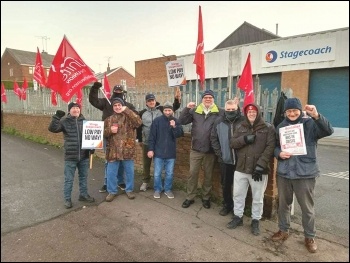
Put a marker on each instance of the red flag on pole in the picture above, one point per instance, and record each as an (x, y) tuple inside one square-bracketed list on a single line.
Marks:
[(68, 72), (39, 72), (53, 98), (3, 93), (245, 83), (199, 55), (24, 89), (17, 90), (106, 87)]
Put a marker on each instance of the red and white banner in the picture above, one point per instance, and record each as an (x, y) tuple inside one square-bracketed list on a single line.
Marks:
[(68, 72), (39, 72), (245, 83)]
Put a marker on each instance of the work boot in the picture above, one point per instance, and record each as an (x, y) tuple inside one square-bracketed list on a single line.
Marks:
[(86, 198), (280, 236), (225, 211), (236, 221), (255, 227), (68, 203), (310, 244)]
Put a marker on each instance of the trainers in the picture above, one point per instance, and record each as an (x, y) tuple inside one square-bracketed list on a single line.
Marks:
[(143, 187), (86, 198), (280, 235), (110, 197), (122, 186), (310, 244), (255, 227), (130, 195), (68, 203), (103, 189), (225, 211), (236, 221), (156, 194), (169, 194)]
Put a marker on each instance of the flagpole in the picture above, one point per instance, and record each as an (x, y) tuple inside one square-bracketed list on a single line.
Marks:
[(197, 91)]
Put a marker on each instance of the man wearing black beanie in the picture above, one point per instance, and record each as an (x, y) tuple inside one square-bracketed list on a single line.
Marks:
[(296, 173)]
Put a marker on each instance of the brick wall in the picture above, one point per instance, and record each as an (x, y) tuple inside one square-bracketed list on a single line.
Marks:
[(152, 71), (37, 125)]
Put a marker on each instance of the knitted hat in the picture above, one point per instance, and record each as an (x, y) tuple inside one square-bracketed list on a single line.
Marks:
[(250, 107), (150, 97), (208, 93), (118, 100), (168, 105), (73, 104), (292, 103), (118, 87)]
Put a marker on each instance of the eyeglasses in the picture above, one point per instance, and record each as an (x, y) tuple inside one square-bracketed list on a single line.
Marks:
[(208, 98), (294, 111)]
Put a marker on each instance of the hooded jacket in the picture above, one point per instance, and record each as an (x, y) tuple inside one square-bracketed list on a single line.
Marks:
[(258, 153)]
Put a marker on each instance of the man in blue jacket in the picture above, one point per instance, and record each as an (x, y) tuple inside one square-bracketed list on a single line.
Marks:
[(297, 173), (162, 148)]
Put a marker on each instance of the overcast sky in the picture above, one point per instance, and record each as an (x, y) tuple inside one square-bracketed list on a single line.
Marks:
[(124, 32)]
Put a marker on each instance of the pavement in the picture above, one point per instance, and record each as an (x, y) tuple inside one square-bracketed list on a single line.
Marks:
[(160, 230)]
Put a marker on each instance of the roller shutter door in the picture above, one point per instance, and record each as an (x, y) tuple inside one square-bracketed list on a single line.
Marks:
[(329, 91)]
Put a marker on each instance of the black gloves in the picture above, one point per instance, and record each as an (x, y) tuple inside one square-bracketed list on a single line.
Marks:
[(257, 174), (60, 113), (92, 151), (249, 139), (96, 85)]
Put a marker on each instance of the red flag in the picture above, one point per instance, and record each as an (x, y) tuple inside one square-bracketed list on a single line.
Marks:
[(199, 56), (17, 90), (24, 89), (53, 98), (106, 87), (245, 83), (68, 72), (3, 93), (39, 72)]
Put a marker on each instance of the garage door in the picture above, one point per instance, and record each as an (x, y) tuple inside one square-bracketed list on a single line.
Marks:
[(329, 91)]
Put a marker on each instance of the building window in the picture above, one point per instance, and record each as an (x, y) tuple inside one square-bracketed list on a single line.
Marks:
[(31, 70), (11, 72), (123, 82)]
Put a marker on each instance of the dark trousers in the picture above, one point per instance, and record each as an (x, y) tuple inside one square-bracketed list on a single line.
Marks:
[(227, 171)]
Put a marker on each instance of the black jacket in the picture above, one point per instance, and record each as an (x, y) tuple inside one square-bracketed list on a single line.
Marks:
[(72, 129)]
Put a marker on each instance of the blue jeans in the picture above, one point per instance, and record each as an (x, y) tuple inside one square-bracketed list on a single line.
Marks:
[(168, 165), (112, 181), (69, 172), (120, 175)]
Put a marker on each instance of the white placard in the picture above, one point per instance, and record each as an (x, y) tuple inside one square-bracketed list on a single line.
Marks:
[(292, 139), (175, 71), (92, 137)]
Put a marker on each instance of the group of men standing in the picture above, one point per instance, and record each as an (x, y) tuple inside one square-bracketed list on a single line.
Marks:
[(243, 145)]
